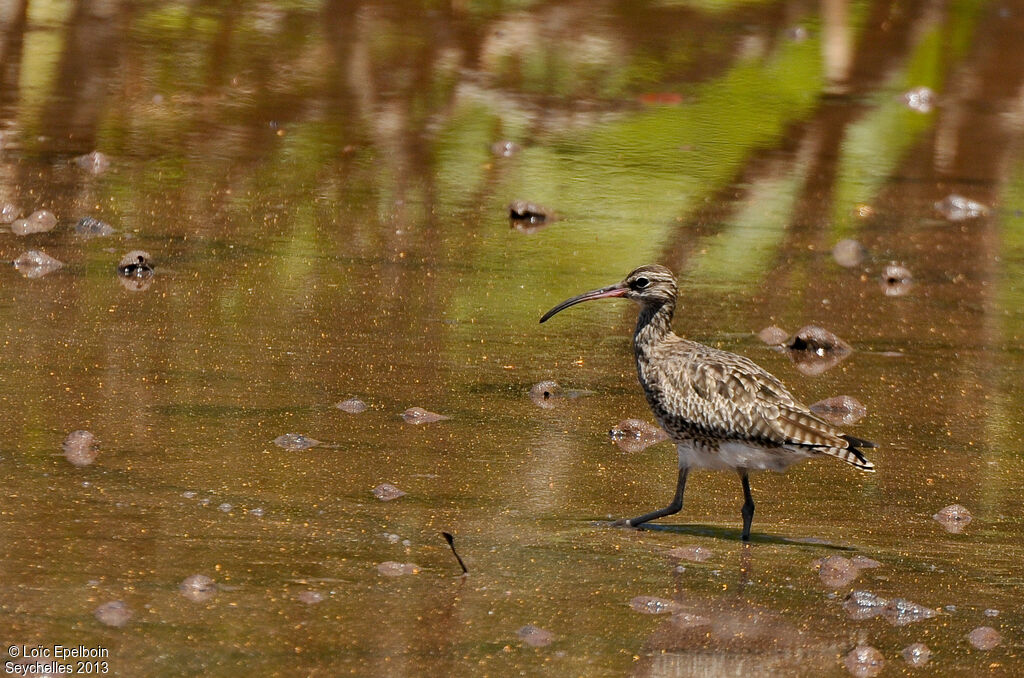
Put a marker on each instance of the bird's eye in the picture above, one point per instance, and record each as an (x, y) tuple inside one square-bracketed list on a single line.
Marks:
[(641, 283)]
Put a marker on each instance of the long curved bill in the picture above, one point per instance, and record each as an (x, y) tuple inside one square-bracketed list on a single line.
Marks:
[(616, 290)]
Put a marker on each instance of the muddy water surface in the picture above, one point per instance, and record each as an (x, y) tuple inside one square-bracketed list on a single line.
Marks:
[(321, 191)]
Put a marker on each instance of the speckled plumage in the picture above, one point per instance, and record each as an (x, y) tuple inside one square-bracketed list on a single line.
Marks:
[(705, 397), (722, 410)]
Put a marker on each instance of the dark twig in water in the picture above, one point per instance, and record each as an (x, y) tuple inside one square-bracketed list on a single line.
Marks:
[(451, 542)]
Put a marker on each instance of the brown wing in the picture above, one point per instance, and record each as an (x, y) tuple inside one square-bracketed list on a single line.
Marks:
[(728, 396)]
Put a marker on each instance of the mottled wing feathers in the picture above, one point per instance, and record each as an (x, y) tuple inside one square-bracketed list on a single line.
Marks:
[(726, 396)]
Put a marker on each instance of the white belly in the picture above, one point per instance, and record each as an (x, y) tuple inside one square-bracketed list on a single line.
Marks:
[(732, 455)]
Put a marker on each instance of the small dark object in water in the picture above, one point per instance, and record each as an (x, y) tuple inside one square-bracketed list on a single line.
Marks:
[(505, 149), (390, 568), (309, 597), (836, 572), (90, 227), (896, 280), (916, 654), (848, 253), (9, 213), (115, 613), (451, 543), (695, 554), (387, 492), (653, 605), (352, 406), (985, 638), (94, 163), (814, 350), (135, 271), (135, 264), (864, 661), (840, 410), (954, 518), (529, 213), (958, 208), (635, 435), (546, 394), (39, 221), (418, 415), (534, 636), (36, 264), (773, 335), (920, 99), (80, 448), (198, 588), (295, 442)]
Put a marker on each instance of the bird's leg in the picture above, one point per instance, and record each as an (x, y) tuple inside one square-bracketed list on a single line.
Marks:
[(674, 507), (748, 505)]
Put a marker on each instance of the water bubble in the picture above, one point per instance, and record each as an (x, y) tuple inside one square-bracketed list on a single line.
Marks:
[(352, 406), (916, 654), (295, 442), (390, 568), (505, 149), (225, 507), (991, 612), (309, 597), (862, 605), (836, 571), (653, 605), (418, 415), (848, 253), (863, 562), (115, 613), (258, 512), (840, 410), (36, 264), (635, 435), (189, 494), (9, 212), (39, 221), (920, 99), (695, 554), (387, 492), (198, 588), (900, 612), (94, 163), (80, 448), (958, 208), (534, 636), (773, 335), (864, 661), (953, 518), (89, 227), (985, 638)]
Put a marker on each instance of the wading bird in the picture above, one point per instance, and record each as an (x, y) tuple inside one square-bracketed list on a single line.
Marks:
[(722, 410)]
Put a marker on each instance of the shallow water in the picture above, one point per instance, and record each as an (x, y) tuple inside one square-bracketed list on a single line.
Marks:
[(315, 188)]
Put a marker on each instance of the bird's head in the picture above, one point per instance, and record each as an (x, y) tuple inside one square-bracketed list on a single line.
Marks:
[(649, 285)]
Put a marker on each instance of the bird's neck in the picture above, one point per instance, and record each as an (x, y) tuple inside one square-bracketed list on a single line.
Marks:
[(653, 325)]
